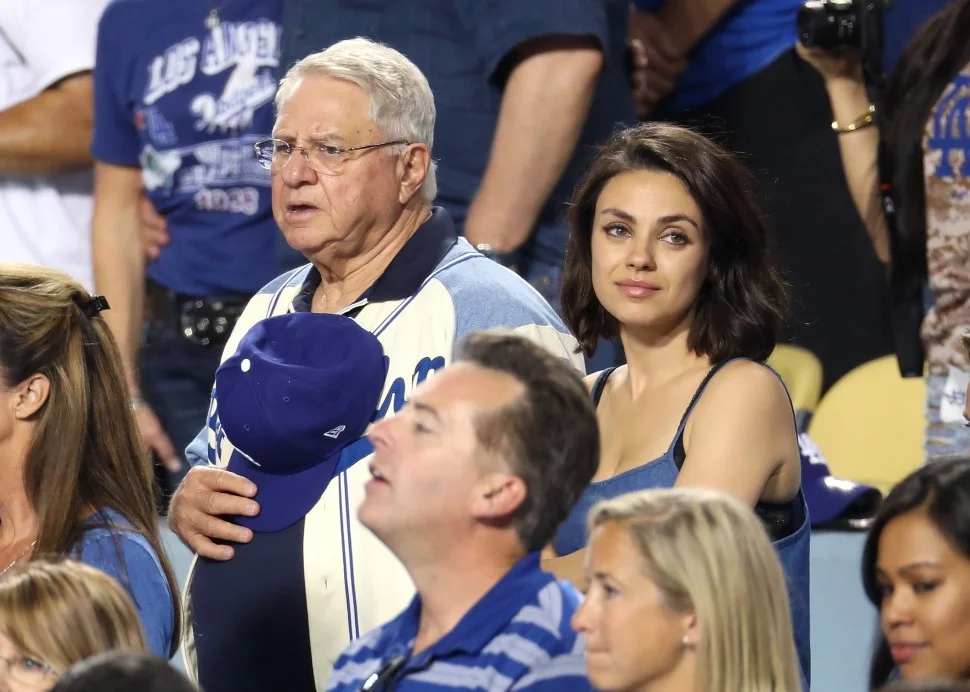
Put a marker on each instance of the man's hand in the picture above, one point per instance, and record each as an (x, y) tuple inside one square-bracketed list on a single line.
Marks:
[(153, 229), (204, 496), (153, 436), (657, 65)]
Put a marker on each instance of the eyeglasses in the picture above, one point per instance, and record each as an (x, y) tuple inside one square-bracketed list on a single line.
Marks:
[(326, 159), (28, 671)]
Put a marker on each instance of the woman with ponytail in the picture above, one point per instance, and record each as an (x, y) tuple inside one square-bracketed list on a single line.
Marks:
[(74, 478)]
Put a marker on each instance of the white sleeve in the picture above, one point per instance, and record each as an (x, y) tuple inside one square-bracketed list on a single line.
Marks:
[(55, 38)]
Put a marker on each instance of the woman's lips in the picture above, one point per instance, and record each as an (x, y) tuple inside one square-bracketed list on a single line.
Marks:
[(636, 289), (904, 653)]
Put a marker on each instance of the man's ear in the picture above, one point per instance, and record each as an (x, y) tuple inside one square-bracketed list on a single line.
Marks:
[(414, 164), (498, 495), (31, 395)]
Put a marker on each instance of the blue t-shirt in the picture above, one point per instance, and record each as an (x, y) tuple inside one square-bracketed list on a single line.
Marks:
[(186, 104), (753, 33), (748, 38), (129, 558)]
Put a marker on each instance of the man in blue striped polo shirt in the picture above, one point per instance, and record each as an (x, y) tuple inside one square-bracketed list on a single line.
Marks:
[(468, 483)]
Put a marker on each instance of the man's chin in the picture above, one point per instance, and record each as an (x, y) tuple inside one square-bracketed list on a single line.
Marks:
[(368, 514)]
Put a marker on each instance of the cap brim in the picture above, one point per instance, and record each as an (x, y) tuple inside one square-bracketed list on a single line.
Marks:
[(283, 500), (829, 498)]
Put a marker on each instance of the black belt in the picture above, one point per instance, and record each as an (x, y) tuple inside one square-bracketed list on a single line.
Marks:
[(203, 320)]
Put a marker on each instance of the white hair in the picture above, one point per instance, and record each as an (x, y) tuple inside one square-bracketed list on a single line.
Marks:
[(401, 102)]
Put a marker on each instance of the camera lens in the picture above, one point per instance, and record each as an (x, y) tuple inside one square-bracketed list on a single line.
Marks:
[(829, 23)]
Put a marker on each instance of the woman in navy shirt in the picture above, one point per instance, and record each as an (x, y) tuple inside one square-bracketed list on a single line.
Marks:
[(74, 478)]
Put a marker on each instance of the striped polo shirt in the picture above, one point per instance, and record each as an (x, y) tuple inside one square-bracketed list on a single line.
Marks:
[(517, 637)]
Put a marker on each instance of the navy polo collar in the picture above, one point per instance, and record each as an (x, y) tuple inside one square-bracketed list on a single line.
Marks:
[(407, 271), (480, 625)]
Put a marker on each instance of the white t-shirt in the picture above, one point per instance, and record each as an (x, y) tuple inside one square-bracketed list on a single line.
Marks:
[(46, 219)]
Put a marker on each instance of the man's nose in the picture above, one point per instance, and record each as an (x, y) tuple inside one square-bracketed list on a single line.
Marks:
[(297, 169)]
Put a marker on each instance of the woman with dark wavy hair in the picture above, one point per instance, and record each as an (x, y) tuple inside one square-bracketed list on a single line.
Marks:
[(916, 571), (670, 253)]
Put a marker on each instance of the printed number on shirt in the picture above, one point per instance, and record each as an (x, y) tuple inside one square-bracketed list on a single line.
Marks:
[(235, 200)]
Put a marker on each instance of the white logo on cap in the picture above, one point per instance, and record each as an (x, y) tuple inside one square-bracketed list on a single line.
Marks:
[(335, 433), (245, 365)]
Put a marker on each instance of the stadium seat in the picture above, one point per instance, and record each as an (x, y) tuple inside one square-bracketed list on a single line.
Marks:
[(801, 372), (869, 425)]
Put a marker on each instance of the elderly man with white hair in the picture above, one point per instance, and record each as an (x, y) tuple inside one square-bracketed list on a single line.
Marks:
[(286, 575)]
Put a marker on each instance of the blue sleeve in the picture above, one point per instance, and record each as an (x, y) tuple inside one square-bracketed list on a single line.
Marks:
[(199, 451), (139, 571), (498, 27), (115, 139)]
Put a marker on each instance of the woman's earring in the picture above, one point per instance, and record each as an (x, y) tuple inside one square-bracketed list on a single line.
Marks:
[(687, 642)]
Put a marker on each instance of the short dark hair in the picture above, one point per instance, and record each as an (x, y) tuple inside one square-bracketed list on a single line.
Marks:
[(549, 435), (743, 301), (943, 489), (122, 671)]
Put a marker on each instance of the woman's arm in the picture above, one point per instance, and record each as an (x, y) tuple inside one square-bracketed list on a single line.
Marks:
[(741, 437), (859, 149)]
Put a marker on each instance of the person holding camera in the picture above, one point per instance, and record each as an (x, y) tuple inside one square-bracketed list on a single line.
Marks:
[(924, 127)]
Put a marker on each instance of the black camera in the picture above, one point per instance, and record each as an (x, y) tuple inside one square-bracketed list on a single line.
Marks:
[(840, 23)]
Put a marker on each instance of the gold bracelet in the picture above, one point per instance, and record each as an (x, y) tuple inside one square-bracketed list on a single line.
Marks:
[(864, 120)]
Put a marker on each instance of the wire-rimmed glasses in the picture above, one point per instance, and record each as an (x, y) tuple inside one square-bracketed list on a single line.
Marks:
[(327, 159), (28, 671)]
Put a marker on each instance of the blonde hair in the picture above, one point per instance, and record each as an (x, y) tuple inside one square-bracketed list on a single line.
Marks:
[(62, 612), (401, 102), (709, 554)]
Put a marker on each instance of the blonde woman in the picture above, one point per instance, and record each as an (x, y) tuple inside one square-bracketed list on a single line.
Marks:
[(684, 593), (55, 614)]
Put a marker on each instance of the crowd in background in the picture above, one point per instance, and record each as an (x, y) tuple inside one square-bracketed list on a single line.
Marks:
[(240, 236)]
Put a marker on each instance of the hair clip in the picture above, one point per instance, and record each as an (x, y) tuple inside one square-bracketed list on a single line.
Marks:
[(95, 305)]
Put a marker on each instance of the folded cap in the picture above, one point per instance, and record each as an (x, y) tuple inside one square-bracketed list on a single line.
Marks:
[(834, 503), (299, 388)]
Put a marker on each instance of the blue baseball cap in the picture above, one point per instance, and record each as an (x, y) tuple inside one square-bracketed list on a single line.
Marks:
[(834, 503), (299, 388)]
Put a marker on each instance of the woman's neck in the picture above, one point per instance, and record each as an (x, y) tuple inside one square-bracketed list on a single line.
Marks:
[(654, 359), (18, 521)]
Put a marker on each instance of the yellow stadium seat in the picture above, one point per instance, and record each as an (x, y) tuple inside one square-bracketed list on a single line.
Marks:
[(801, 372), (869, 425)]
